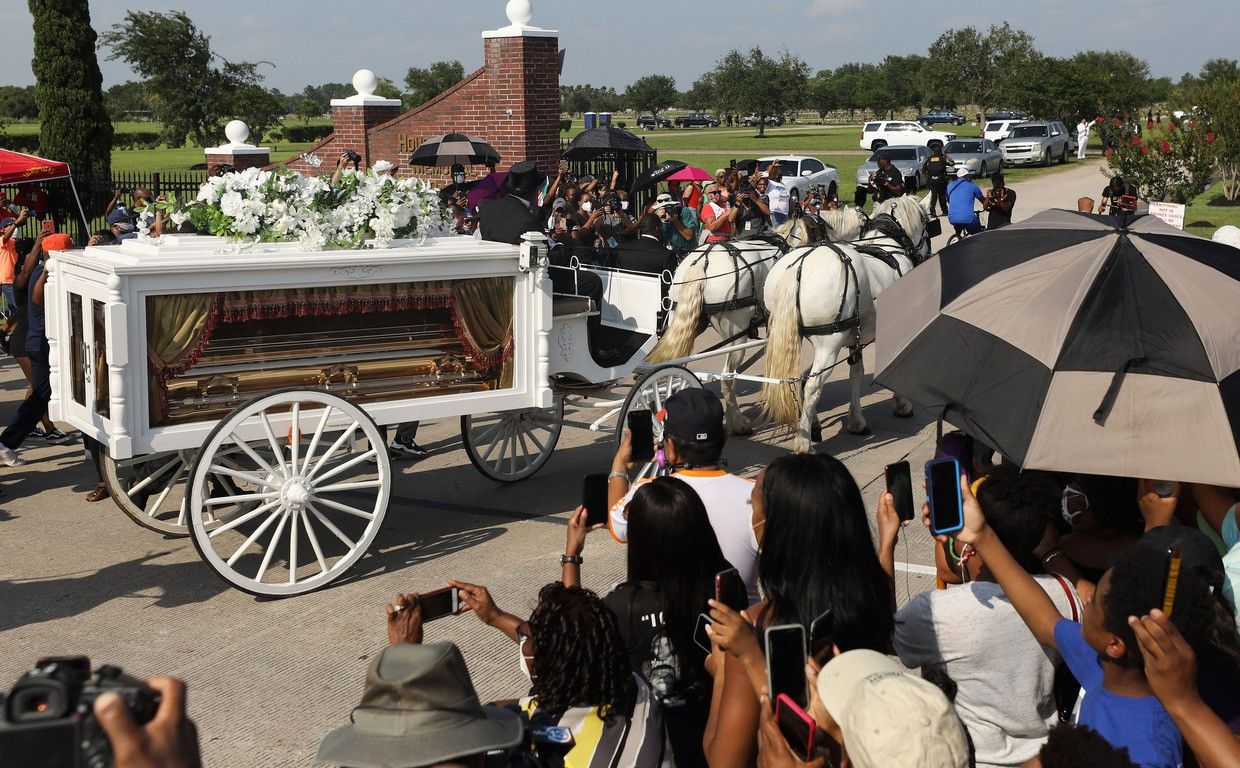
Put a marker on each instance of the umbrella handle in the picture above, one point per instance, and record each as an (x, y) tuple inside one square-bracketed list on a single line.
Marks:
[(1108, 400)]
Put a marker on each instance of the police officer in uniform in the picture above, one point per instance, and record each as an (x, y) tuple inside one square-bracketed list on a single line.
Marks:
[(939, 167)]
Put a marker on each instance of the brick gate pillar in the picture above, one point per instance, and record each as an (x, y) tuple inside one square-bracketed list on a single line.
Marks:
[(355, 116), (523, 66), (236, 152)]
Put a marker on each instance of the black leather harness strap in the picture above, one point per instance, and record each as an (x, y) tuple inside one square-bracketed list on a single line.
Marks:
[(841, 323)]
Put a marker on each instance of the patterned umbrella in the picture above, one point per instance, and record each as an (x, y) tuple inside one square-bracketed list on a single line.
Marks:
[(1072, 342), (454, 148)]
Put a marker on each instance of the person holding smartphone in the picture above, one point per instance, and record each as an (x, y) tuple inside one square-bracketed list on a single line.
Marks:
[(1102, 649), (673, 560), (693, 440), (8, 270), (1004, 677)]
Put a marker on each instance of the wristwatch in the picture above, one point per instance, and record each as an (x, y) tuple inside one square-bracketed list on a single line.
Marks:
[(571, 559)]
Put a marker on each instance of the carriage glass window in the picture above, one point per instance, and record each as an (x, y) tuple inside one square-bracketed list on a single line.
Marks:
[(99, 361), (77, 350), (211, 352)]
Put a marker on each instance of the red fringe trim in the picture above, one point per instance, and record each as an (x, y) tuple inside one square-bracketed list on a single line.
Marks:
[(310, 305)]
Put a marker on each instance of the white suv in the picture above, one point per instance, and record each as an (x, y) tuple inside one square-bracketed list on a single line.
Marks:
[(997, 130), (880, 133)]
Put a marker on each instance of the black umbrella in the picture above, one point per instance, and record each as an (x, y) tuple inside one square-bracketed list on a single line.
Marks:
[(605, 140), (454, 149), (1072, 342), (656, 173)]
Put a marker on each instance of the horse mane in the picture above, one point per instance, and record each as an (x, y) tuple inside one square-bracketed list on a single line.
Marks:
[(793, 229), (910, 215), (840, 223)]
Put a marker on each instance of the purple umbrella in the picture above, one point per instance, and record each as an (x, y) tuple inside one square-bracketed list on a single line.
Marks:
[(489, 188)]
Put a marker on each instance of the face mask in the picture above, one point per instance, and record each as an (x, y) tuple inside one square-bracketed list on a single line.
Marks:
[(523, 661), (586, 206), (624, 205)]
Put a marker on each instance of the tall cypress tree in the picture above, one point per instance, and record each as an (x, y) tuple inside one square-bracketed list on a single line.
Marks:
[(69, 88)]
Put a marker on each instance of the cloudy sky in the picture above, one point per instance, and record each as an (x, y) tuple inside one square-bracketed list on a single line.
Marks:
[(314, 41)]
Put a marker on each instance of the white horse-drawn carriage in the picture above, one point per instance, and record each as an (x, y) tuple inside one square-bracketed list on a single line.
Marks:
[(238, 394)]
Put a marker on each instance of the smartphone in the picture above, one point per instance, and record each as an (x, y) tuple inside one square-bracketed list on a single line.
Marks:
[(785, 663), (641, 432), (439, 603), (943, 491), (49, 226), (730, 590), (1172, 577), (594, 499), (700, 638), (822, 636), (900, 486), (796, 726)]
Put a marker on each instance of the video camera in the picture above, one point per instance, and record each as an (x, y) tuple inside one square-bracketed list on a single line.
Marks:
[(1126, 202), (49, 718)]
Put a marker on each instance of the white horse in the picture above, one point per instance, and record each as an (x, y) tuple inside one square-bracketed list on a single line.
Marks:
[(724, 281), (825, 293), (843, 224)]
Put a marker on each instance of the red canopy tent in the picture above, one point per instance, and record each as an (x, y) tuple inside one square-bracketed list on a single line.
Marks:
[(20, 168)]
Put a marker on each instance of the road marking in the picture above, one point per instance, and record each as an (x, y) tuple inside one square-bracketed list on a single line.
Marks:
[(926, 570)]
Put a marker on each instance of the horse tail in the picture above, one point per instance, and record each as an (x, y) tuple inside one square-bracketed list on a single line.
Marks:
[(677, 341), (783, 359)]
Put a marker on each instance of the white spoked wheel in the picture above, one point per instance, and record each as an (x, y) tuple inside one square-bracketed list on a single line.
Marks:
[(151, 488), (309, 499), (512, 445), (649, 394)]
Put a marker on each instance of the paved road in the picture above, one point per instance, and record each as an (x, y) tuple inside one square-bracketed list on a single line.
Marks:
[(268, 678)]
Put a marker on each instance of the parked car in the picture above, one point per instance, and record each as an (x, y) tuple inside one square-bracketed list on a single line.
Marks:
[(653, 121), (881, 133), (997, 130), (1036, 143), (910, 160), (1004, 114), (941, 116), (801, 173), (699, 119), (752, 120), (980, 156)]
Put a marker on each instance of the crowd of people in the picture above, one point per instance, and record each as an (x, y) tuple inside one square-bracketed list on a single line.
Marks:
[(1054, 639)]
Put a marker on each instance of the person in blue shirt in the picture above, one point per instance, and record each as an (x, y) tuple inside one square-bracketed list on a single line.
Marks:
[(960, 196), (1102, 650)]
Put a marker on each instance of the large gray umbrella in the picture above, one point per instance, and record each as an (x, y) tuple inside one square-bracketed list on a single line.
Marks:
[(1072, 342)]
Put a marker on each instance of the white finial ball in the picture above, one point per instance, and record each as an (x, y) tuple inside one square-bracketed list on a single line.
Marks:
[(1228, 235), (237, 132), (365, 82), (519, 11)]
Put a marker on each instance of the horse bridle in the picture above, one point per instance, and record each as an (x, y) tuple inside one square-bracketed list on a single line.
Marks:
[(737, 301)]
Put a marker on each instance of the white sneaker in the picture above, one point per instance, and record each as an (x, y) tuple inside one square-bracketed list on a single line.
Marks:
[(10, 457)]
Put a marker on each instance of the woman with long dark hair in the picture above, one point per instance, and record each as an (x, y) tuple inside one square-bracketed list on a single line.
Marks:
[(673, 557), (815, 553), (580, 678)]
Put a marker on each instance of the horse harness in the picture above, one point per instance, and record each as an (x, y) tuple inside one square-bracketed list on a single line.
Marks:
[(841, 323), (737, 301)]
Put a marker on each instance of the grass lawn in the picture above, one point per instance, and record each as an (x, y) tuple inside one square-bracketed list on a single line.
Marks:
[(1210, 211), (164, 159)]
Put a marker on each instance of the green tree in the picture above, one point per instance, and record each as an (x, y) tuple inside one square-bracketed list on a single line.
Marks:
[(1215, 70), (69, 88), (387, 89), (18, 103), (754, 82), (651, 93), (1219, 104), (850, 86), (259, 108), (976, 67), (1117, 83), (308, 109), (900, 82), (702, 94), (1170, 162), (422, 85), (191, 95), (323, 94)]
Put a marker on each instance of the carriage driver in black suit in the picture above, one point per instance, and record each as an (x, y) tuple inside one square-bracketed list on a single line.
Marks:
[(504, 221)]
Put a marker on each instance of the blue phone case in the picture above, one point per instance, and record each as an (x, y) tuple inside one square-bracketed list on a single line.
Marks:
[(932, 491)]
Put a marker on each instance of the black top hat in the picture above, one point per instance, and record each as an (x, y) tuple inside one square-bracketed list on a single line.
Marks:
[(523, 178)]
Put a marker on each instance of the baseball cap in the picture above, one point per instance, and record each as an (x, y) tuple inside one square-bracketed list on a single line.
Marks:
[(559, 204), (57, 241), (7, 221), (961, 172), (889, 718), (693, 414), (118, 214), (664, 200)]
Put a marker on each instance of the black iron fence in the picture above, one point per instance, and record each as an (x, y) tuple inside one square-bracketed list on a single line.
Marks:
[(95, 194)]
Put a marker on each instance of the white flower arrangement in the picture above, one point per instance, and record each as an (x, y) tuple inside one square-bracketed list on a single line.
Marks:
[(363, 210)]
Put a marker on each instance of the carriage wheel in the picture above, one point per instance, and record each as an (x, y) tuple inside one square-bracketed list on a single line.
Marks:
[(650, 393), (512, 445), (307, 502), (151, 489)]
